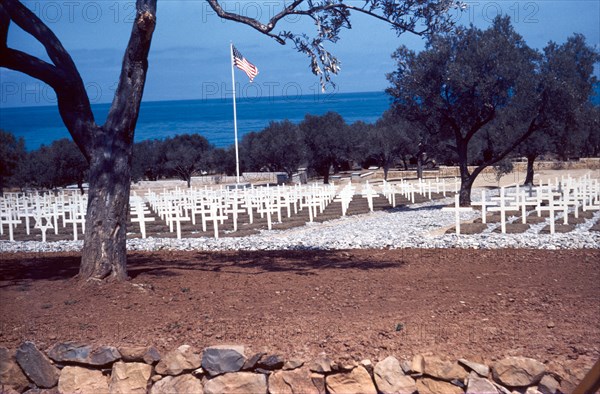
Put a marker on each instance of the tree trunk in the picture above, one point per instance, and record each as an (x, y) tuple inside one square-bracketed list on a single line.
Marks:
[(104, 253), (109, 148), (420, 165), (326, 177), (466, 178), (465, 192), (530, 170), (386, 169)]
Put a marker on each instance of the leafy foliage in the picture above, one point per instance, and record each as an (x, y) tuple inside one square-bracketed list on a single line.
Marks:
[(502, 168), (278, 147), (148, 160), (186, 155), (12, 151), (386, 142), (326, 142), (57, 165), (589, 123), (565, 86)]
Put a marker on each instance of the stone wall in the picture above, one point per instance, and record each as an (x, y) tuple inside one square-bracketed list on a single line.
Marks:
[(591, 163), (77, 368)]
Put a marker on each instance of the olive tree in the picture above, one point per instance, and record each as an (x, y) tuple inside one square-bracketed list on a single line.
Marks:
[(488, 87), (277, 147), (187, 155), (327, 145), (567, 81)]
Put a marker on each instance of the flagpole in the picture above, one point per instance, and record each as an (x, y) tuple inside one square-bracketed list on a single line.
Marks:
[(235, 131)]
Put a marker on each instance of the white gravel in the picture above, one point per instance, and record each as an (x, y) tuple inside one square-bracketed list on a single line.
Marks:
[(420, 226)]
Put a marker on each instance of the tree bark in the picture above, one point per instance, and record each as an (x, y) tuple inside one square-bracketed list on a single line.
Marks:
[(420, 166), (466, 178), (530, 169), (464, 198), (104, 255)]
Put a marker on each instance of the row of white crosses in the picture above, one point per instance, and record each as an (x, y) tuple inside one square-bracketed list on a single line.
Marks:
[(424, 187), (390, 190), (138, 211), (44, 211), (369, 193), (345, 196), (565, 195), (8, 217), (216, 206), (316, 198)]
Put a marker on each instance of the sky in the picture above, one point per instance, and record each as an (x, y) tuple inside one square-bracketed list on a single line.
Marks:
[(189, 57)]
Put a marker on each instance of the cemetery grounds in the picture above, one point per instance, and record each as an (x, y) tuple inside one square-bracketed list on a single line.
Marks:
[(350, 304)]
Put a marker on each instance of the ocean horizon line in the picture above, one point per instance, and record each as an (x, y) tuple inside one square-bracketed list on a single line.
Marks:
[(228, 97)]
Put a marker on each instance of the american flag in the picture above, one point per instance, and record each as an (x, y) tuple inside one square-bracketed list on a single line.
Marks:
[(243, 64)]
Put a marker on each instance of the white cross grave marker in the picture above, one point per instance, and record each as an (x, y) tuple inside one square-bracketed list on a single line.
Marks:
[(11, 220), (457, 209)]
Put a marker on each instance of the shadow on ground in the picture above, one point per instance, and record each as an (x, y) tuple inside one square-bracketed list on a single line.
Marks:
[(22, 269)]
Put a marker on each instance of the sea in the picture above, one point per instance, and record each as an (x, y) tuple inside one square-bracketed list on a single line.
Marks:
[(211, 118)]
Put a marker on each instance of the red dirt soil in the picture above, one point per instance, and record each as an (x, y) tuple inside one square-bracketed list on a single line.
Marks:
[(351, 304)]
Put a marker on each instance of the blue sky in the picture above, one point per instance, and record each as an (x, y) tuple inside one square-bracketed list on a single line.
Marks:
[(189, 58)]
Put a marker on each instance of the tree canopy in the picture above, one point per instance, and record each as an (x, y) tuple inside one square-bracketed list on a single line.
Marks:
[(187, 155), (488, 89), (564, 90), (278, 147), (326, 142), (12, 151)]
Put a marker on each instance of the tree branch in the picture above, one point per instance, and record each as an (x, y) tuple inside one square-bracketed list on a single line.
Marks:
[(400, 26), (285, 12), (4, 22), (388, 16), (29, 22), (455, 127), (330, 16), (533, 126), (479, 124), (255, 24), (73, 102), (30, 65), (124, 110)]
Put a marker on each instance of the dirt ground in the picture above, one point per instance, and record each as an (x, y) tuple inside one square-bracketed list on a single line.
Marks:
[(350, 304)]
